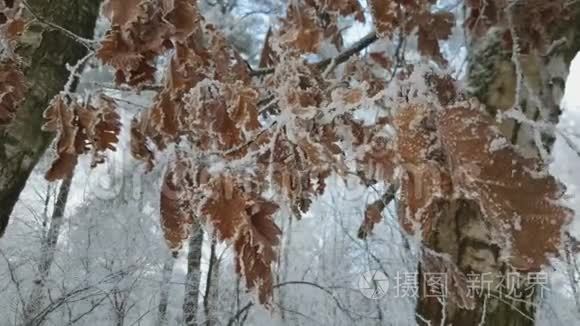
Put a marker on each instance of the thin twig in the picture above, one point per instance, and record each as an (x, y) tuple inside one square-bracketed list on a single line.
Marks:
[(89, 44)]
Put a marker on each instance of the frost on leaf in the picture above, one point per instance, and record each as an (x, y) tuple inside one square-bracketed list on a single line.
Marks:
[(299, 168), (142, 30), (242, 103), (255, 248), (100, 123), (517, 198), (246, 220), (386, 16), (12, 24), (300, 29), (139, 148), (12, 90), (435, 27), (424, 180), (339, 7), (226, 207), (406, 16), (309, 22), (91, 127), (378, 162), (209, 119), (60, 118), (121, 12), (175, 221)]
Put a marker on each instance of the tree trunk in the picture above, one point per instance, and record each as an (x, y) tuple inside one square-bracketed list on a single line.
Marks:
[(164, 295), (48, 248), (211, 294), (193, 277), (282, 275), (461, 234), (45, 53)]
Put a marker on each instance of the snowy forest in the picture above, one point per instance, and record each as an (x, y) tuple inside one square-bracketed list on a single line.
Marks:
[(289, 162)]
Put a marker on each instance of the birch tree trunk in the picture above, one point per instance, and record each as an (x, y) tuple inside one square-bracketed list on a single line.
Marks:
[(48, 248), (461, 233), (164, 295), (45, 53), (192, 279)]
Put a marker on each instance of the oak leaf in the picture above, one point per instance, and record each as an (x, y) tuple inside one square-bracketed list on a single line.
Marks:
[(255, 248), (517, 197), (175, 220), (12, 91), (60, 118)]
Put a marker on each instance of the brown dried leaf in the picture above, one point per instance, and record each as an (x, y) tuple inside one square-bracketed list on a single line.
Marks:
[(379, 160), (62, 167), (12, 22), (386, 16), (164, 116), (424, 180), (255, 247), (186, 69), (175, 221), (183, 16), (246, 220), (518, 199), (268, 57), (424, 188), (12, 91), (139, 148), (118, 52), (80, 129), (416, 134), (242, 105), (226, 207), (436, 27), (61, 118), (381, 59), (300, 30), (105, 134), (140, 32), (373, 215), (120, 12), (209, 119), (338, 8)]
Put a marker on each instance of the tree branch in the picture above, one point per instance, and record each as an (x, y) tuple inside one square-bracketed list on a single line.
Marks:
[(342, 57), (89, 44)]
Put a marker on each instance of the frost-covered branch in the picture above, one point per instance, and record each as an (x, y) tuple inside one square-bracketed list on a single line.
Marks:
[(89, 44), (342, 57)]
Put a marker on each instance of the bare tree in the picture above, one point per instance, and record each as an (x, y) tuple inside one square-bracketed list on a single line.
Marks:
[(48, 249)]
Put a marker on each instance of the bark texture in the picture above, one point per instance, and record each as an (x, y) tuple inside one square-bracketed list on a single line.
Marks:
[(211, 294), (461, 233), (45, 53), (165, 289), (193, 277)]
